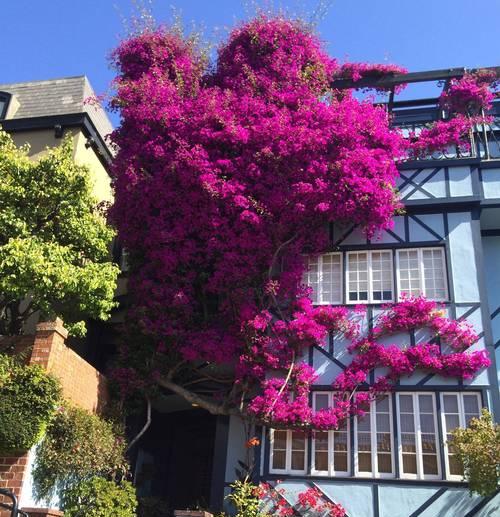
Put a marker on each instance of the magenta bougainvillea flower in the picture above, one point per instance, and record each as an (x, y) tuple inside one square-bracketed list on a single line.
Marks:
[(226, 177)]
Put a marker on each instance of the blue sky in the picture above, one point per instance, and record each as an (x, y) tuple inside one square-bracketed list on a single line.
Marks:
[(57, 38)]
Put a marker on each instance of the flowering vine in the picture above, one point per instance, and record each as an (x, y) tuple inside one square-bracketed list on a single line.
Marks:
[(225, 179)]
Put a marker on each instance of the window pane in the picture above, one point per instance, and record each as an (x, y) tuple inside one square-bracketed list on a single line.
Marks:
[(384, 463), (298, 460), (409, 464), (425, 404), (383, 423), (383, 405), (364, 423), (408, 442), (321, 401), (452, 422), (455, 466), (450, 403), (321, 441), (321, 461), (279, 440), (364, 442), (298, 441), (279, 458), (471, 405), (340, 462), (381, 262), (339, 441), (430, 464), (409, 272), (364, 462), (406, 403)]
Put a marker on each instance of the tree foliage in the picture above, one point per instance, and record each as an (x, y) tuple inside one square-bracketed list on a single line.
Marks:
[(226, 179), (54, 243), (478, 449), (98, 497), (28, 399), (76, 447)]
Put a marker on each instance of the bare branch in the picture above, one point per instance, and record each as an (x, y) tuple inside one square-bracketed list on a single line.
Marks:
[(144, 428)]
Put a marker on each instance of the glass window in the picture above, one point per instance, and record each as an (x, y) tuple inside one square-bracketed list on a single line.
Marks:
[(418, 451), (324, 275), (369, 276), (422, 271), (457, 410), (374, 441), (330, 448)]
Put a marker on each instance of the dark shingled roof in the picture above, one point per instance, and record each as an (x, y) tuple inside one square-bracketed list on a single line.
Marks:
[(57, 97)]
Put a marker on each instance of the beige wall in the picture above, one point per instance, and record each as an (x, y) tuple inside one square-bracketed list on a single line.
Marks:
[(39, 140)]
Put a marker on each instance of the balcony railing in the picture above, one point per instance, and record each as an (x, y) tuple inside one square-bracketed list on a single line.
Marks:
[(412, 116)]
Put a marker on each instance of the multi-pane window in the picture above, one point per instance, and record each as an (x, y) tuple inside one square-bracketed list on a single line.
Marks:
[(457, 410), (422, 271), (330, 449), (288, 451), (418, 437), (324, 275), (374, 441), (369, 276)]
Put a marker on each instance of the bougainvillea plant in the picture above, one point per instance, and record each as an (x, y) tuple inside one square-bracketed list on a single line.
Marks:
[(227, 178)]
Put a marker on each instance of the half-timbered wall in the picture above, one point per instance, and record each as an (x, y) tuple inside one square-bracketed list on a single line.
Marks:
[(444, 203)]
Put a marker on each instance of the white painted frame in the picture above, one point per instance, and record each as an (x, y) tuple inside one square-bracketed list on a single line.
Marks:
[(421, 270), (331, 464), (288, 455), (461, 417), (369, 277), (320, 274), (416, 420), (373, 436)]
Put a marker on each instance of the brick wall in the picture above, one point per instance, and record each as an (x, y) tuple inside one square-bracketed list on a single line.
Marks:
[(81, 384)]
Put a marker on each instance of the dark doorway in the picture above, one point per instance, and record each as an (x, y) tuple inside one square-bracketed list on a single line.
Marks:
[(175, 459)]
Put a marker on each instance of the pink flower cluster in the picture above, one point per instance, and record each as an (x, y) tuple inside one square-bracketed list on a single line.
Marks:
[(225, 177), (357, 71), (310, 501), (469, 95)]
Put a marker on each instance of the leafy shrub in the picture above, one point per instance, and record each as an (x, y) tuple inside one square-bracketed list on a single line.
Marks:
[(77, 446), (28, 399), (478, 450), (98, 497)]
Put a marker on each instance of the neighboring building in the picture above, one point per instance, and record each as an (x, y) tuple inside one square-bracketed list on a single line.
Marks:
[(394, 462), (41, 113)]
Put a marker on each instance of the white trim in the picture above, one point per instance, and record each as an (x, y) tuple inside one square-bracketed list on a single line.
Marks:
[(462, 423), (418, 437)]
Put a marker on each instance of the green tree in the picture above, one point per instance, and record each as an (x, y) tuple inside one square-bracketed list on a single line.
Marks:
[(54, 241), (478, 449)]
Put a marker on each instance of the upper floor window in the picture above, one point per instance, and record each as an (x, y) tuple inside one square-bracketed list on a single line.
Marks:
[(324, 275), (422, 271), (418, 436), (369, 276), (457, 410)]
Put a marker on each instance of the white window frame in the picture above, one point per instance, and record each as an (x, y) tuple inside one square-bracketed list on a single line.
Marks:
[(288, 455), (331, 436), (421, 270), (461, 417), (419, 456), (320, 274), (373, 436), (370, 277)]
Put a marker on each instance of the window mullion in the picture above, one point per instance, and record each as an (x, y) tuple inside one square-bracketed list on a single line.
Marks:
[(421, 280), (369, 276), (288, 463)]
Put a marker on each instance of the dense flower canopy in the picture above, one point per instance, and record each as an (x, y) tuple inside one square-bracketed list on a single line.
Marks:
[(225, 179)]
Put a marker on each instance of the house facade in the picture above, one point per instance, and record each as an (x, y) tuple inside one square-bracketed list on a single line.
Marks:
[(395, 462)]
